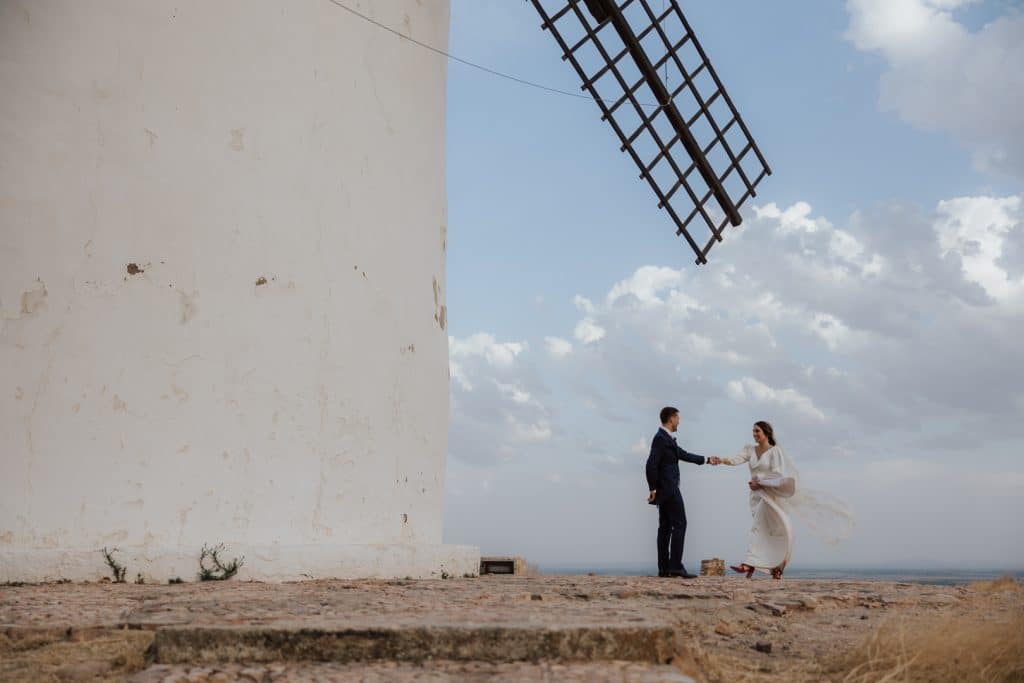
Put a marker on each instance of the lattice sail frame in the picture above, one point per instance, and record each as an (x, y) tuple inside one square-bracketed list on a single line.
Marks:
[(687, 138)]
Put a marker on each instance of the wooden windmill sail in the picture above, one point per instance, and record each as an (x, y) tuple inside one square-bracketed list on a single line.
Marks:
[(656, 88)]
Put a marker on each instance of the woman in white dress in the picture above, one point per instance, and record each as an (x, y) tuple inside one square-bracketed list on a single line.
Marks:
[(773, 480)]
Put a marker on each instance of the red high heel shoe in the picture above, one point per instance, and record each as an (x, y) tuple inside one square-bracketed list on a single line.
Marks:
[(743, 569)]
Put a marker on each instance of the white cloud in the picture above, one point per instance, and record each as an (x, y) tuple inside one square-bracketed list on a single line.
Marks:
[(483, 346), (583, 304), (831, 329), (845, 245), (702, 347), (941, 76), (588, 332), (750, 389), (795, 218), (558, 347), (646, 284), (977, 228), (951, 4), (528, 431), (496, 406), (515, 393)]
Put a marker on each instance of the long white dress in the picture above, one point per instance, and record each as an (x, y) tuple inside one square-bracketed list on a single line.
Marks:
[(771, 535)]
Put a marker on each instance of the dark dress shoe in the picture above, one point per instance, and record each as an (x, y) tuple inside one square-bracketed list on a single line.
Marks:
[(680, 574)]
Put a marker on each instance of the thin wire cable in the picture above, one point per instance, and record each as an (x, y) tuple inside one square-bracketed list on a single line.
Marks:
[(466, 62)]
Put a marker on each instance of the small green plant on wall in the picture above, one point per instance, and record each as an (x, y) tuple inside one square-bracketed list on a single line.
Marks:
[(212, 569), (117, 569)]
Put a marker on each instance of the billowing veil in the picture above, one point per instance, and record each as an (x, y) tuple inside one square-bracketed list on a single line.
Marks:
[(826, 516)]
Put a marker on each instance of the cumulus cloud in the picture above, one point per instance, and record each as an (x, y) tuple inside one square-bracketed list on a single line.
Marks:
[(977, 230), (941, 76), (896, 323), (920, 315), (558, 347), (796, 218), (479, 347), (496, 411), (588, 332), (583, 304), (750, 389), (646, 285), (485, 346)]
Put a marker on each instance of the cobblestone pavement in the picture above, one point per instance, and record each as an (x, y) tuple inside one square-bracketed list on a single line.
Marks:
[(497, 628)]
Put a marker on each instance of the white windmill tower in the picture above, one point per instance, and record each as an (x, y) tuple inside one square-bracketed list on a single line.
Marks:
[(222, 234)]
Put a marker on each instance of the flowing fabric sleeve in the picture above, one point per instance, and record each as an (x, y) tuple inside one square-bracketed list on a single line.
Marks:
[(740, 458), (827, 517), (783, 477)]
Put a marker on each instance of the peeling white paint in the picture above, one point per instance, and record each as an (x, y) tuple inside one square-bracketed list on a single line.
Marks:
[(149, 188)]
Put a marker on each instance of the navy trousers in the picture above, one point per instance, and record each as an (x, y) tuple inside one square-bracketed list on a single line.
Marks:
[(671, 533)]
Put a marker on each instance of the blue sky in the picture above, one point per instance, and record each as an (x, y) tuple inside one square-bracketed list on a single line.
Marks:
[(536, 179), (867, 306)]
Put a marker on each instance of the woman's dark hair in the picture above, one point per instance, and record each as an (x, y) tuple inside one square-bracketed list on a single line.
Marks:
[(666, 413), (767, 430)]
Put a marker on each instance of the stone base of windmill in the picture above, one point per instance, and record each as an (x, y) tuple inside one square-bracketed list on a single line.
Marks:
[(712, 567), (260, 562)]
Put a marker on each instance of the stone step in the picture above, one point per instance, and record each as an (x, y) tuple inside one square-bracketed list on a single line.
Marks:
[(201, 645), (435, 672)]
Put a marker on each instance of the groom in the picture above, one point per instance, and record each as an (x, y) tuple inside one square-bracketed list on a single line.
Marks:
[(663, 482)]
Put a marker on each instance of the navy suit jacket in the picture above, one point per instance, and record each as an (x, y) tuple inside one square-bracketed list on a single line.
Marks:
[(663, 466)]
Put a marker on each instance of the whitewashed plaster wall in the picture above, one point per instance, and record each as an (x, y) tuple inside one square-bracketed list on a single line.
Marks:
[(222, 285)]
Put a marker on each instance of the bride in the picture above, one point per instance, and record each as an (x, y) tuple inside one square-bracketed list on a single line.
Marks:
[(773, 480)]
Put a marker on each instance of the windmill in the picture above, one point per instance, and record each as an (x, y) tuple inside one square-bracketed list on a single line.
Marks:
[(656, 88)]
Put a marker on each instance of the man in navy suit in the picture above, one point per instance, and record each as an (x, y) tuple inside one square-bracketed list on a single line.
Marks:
[(663, 482)]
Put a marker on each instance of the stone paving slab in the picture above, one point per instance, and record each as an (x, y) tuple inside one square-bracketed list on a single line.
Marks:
[(508, 601), (212, 645), (432, 672)]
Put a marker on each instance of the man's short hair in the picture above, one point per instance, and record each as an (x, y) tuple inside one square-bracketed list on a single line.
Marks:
[(667, 412)]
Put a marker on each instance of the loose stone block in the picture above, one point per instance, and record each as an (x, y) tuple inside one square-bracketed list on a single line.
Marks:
[(712, 567), (512, 566)]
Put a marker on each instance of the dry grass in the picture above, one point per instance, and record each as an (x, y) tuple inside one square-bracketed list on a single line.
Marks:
[(1006, 583), (984, 646), (981, 640), (105, 655)]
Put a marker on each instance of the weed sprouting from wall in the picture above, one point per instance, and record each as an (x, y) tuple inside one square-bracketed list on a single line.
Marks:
[(212, 569), (117, 569)]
